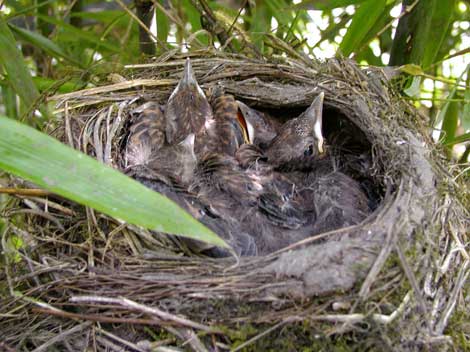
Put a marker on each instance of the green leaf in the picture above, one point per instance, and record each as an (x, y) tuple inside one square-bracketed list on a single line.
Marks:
[(363, 20), (411, 69), (259, 25), (326, 4), (104, 16), (163, 25), (466, 107), (12, 62), (60, 86), (459, 139), (413, 88), (413, 33), (48, 163), (43, 43), (449, 114), (450, 119), (9, 101), (440, 21), (82, 35)]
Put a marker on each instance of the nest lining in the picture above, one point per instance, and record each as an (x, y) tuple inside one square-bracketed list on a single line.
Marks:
[(75, 252)]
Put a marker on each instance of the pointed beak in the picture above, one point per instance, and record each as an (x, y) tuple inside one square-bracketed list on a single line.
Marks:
[(317, 104), (315, 111), (189, 78), (245, 125)]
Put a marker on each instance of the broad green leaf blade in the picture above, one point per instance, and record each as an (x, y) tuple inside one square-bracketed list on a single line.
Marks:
[(450, 121), (9, 101), (449, 113), (14, 65), (43, 43), (363, 20), (48, 163), (163, 25), (260, 25), (452, 93), (440, 21), (466, 107), (412, 34)]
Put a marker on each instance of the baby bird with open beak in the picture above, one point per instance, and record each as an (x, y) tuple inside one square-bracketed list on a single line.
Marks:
[(260, 130)]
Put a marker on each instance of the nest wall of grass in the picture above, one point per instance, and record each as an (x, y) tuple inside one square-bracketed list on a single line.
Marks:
[(402, 268)]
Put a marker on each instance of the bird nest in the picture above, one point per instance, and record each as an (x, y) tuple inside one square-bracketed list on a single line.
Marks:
[(85, 279)]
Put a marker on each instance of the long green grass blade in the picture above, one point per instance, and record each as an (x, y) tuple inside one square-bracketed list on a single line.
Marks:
[(466, 107), (12, 61), (44, 43), (62, 86), (163, 25), (450, 121), (459, 139), (440, 21), (363, 20), (260, 25), (413, 33), (48, 163), (9, 101), (80, 34), (449, 114)]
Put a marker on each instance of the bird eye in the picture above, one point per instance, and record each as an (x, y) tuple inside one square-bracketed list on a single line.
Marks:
[(309, 151)]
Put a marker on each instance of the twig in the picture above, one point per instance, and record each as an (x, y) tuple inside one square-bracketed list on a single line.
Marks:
[(141, 24), (381, 258), (238, 16), (212, 23), (67, 127), (257, 337), (98, 318), (114, 87), (189, 337), (120, 340), (62, 336), (129, 304), (461, 280), (414, 284), (3, 345), (30, 192)]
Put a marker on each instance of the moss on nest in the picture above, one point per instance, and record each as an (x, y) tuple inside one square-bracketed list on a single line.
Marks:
[(395, 278)]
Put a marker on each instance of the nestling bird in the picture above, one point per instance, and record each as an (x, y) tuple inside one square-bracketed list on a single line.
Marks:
[(174, 165), (300, 140), (261, 131), (146, 134), (229, 131), (187, 110)]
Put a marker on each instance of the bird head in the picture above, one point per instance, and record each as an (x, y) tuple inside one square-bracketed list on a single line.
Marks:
[(299, 140), (258, 129), (187, 109)]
